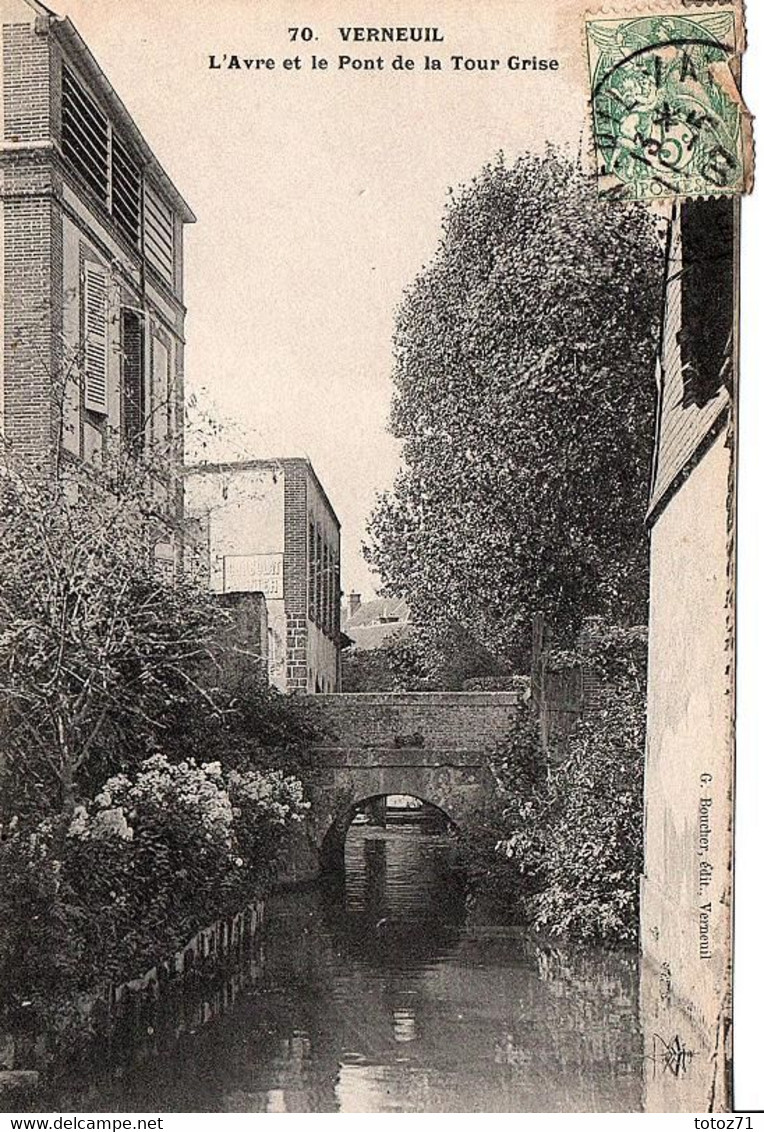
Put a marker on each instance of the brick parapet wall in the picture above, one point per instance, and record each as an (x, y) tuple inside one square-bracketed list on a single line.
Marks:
[(342, 758), (463, 721)]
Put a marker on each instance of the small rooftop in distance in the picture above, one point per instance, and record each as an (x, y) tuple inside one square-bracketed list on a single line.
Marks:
[(379, 611), (369, 623)]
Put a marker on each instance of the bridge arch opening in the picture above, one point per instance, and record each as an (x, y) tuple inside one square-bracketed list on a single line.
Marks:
[(380, 810)]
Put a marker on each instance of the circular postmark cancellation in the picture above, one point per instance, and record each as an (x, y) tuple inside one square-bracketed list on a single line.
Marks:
[(667, 118)]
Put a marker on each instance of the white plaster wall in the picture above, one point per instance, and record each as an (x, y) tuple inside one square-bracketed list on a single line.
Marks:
[(242, 511), (689, 754)]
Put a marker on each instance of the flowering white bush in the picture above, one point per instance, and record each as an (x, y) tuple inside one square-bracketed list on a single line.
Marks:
[(104, 824), (270, 794), (238, 815), (195, 794), (154, 856)]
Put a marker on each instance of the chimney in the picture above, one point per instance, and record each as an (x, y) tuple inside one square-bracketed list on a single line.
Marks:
[(354, 601)]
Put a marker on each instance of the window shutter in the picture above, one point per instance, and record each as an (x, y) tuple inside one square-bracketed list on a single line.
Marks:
[(85, 135), (95, 339), (159, 234)]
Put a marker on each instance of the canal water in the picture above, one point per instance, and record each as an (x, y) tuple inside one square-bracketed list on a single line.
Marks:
[(387, 995)]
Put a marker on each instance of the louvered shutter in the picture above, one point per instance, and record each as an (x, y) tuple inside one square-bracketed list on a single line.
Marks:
[(159, 233), (95, 348)]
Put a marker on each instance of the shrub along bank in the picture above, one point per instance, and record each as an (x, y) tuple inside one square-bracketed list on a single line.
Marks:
[(143, 865), (563, 847)]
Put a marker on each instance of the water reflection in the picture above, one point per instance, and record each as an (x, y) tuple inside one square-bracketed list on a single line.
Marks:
[(382, 997)]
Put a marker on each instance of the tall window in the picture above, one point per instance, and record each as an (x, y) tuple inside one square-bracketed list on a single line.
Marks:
[(133, 380), (708, 298), (319, 579), (161, 392), (337, 591), (331, 626), (325, 588)]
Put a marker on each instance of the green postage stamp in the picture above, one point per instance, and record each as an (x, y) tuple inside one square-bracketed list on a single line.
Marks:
[(667, 116)]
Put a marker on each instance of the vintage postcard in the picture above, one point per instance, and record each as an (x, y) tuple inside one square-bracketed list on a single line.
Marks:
[(368, 501)]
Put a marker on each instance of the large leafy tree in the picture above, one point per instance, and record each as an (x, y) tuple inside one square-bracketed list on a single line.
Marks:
[(524, 357), (109, 650), (99, 647)]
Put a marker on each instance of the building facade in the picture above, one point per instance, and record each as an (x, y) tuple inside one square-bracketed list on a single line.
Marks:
[(267, 526), (686, 886), (91, 239)]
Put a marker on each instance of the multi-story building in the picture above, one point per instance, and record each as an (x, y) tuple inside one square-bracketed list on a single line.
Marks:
[(686, 887), (92, 250), (268, 526)]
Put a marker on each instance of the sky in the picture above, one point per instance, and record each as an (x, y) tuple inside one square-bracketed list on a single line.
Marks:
[(319, 196)]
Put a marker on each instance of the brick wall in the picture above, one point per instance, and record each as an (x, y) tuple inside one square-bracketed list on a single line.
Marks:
[(296, 652), (33, 285), (295, 540), (26, 83), (33, 171), (440, 720), (312, 641), (296, 576), (33, 254)]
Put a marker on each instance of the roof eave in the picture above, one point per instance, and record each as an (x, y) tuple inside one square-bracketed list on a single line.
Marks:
[(72, 39)]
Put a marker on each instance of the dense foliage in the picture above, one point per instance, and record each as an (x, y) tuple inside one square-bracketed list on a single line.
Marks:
[(116, 672), (144, 864), (438, 656), (524, 355), (98, 647), (568, 836), (369, 670), (108, 652)]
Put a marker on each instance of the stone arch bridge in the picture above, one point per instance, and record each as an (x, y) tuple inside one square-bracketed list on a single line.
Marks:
[(432, 745)]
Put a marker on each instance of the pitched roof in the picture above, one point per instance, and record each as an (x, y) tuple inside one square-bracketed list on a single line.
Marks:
[(42, 9), (380, 611), (686, 427), (365, 637)]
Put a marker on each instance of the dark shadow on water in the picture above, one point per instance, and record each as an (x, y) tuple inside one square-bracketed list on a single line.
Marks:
[(389, 906)]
